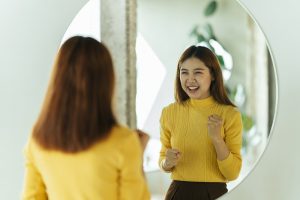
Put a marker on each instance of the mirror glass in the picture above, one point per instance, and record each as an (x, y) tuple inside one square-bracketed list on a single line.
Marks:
[(165, 29)]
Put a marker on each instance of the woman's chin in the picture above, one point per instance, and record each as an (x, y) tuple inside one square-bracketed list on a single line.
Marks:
[(194, 96)]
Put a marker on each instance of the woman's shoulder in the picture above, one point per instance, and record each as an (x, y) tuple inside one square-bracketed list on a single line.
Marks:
[(232, 110), (124, 138), (124, 135), (231, 113), (173, 106), (122, 132)]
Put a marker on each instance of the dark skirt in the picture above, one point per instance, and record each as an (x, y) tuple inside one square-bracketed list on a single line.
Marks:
[(183, 190)]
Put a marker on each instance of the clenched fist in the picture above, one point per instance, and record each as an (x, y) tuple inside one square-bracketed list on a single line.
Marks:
[(214, 126), (172, 157)]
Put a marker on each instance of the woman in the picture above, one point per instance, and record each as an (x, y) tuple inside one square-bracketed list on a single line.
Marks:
[(201, 133), (77, 149)]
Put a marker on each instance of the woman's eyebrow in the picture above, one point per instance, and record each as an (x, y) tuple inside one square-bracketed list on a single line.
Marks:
[(199, 68)]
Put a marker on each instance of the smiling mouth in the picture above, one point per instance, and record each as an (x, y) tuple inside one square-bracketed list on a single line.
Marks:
[(192, 88)]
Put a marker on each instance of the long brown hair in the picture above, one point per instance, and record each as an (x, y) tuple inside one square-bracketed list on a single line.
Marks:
[(217, 89), (77, 110)]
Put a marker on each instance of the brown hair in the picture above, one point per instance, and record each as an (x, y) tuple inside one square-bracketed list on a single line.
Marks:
[(77, 110), (217, 89)]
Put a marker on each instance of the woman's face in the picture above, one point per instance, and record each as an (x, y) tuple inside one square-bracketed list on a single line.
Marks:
[(195, 78)]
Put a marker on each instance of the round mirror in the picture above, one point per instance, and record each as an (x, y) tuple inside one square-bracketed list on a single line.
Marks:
[(165, 30)]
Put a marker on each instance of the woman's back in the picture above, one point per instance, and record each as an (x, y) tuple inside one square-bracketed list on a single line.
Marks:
[(110, 169)]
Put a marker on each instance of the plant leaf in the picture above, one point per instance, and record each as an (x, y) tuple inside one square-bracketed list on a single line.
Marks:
[(211, 8)]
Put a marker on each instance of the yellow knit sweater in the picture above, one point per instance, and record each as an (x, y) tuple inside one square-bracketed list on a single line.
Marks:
[(184, 127), (109, 170)]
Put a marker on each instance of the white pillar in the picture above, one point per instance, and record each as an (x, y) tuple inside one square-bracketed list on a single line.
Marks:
[(118, 33)]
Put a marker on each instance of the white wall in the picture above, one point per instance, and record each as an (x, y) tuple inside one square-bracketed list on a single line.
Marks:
[(30, 35)]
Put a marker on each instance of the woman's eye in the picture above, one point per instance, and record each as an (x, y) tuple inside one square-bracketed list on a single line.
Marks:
[(183, 72), (198, 72)]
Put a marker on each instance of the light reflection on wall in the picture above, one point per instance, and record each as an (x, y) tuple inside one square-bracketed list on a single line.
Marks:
[(150, 75)]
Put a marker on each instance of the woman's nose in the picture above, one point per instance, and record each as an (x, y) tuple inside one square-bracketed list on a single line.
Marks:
[(191, 78)]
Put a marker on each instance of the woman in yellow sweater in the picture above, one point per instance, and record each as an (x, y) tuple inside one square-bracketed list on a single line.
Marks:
[(201, 133), (77, 150)]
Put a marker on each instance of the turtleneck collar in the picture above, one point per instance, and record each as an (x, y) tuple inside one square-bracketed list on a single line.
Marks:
[(209, 101)]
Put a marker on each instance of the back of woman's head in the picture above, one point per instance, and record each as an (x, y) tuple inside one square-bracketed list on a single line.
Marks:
[(217, 88), (77, 110)]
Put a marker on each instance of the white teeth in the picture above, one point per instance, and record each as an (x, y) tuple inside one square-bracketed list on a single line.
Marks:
[(192, 88)]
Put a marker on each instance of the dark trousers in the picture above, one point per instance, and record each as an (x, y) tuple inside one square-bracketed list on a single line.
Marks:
[(183, 190)]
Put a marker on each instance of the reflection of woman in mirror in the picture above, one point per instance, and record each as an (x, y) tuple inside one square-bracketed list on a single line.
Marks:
[(77, 149), (201, 133)]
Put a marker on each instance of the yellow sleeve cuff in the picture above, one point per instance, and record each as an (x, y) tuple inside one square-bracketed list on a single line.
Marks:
[(226, 162), (161, 166)]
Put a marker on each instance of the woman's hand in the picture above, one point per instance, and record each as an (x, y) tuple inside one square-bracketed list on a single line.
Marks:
[(172, 157), (144, 138), (214, 124)]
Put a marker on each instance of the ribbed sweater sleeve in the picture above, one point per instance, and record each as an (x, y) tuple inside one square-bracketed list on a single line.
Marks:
[(231, 166), (165, 135), (132, 181)]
